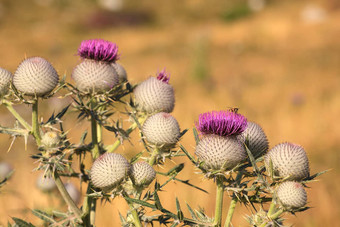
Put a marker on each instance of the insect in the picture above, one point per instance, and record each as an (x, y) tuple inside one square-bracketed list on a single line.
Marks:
[(233, 109)]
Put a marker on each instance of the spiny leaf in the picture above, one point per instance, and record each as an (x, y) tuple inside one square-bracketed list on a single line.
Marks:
[(43, 216), (22, 223), (192, 159), (140, 202), (179, 211), (197, 138), (192, 213), (176, 169)]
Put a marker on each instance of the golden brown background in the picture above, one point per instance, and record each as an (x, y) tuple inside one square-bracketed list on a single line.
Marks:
[(280, 65)]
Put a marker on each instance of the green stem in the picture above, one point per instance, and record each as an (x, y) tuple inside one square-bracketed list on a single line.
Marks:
[(114, 146), (271, 209), (219, 202), (66, 196), (231, 210), (95, 144), (86, 207), (35, 122), (93, 211), (277, 214), (17, 115), (153, 157), (233, 201), (134, 215)]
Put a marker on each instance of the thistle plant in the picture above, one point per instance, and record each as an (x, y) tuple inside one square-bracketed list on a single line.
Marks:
[(230, 150)]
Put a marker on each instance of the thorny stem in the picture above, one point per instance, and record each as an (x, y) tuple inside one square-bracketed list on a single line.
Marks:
[(93, 211), (35, 122), (66, 196), (219, 201), (128, 132), (134, 215), (95, 149), (231, 210), (17, 115), (277, 214), (87, 206), (271, 208), (233, 201), (153, 157)]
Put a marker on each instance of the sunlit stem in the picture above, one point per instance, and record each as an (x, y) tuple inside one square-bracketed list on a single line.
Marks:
[(233, 201), (93, 211), (135, 216), (277, 214), (271, 209), (35, 122), (66, 196), (17, 115), (154, 156), (219, 201), (231, 210), (114, 146), (94, 132)]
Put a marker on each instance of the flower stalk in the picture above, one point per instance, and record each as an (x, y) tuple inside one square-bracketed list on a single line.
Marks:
[(35, 122), (219, 201)]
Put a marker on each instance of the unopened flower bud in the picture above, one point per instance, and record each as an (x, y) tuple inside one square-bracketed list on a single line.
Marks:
[(161, 129), (94, 76), (73, 192), (50, 139), (35, 76), (5, 170), (109, 170), (219, 152), (45, 184), (121, 72), (292, 195), (155, 94), (5, 80), (142, 174), (255, 139), (288, 160)]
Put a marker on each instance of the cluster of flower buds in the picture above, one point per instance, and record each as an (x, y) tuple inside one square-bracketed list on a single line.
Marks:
[(111, 169), (290, 162)]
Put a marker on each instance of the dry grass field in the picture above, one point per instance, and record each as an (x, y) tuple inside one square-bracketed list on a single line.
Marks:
[(280, 66)]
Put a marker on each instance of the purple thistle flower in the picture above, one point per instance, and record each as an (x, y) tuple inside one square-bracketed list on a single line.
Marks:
[(99, 50), (163, 76), (222, 123)]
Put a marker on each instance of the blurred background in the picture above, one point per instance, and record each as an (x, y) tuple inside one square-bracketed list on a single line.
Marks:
[(277, 61)]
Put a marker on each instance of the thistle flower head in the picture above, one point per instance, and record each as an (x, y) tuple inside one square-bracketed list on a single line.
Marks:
[(121, 72), (288, 160), (5, 170), (50, 139), (161, 129), (163, 76), (154, 95), (35, 76), (142, 174), (45, 183), (222, 123), (292, 195), (98, 50), (109, 170), (94, 76), (220, 153), (255, 139), (5, 80), (73, 192)]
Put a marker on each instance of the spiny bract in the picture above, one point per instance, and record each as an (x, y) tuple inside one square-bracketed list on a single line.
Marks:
[(292, 195), (161, 129), (288, 160), (109, 170), (5, 80), (255, 138), (94, 76), (219, 152), (142, 174), (154, 95), (35, 76)]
